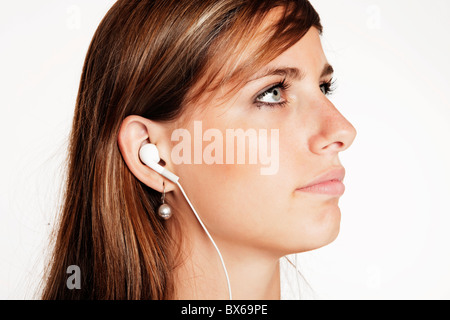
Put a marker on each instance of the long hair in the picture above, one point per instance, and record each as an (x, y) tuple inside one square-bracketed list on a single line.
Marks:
[(150, 58)]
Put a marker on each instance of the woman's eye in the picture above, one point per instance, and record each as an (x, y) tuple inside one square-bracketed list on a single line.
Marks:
[(273, 95)]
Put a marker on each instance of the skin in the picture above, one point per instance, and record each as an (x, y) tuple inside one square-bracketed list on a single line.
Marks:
[(255, 219)]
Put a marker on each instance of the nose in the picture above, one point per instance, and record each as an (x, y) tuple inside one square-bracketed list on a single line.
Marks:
[(334, 133)]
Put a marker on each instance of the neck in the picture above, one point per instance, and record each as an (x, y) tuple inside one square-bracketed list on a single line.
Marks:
[(253, 274)]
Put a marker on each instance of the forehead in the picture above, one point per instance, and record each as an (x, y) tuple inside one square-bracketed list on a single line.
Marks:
[(254, 45), (264, 48), (307, 54)]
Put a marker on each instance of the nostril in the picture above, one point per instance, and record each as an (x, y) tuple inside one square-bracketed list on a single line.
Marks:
[(337, 145)]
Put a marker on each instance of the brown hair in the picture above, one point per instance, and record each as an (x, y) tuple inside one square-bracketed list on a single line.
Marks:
[(149, 58)]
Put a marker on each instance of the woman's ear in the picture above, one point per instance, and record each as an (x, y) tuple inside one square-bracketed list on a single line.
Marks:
[(133, 133)]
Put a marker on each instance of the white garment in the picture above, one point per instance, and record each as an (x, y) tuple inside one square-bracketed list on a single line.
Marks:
[(292, 283)]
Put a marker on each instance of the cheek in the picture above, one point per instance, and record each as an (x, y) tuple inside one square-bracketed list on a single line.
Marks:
[(243, 206), (232, 199)]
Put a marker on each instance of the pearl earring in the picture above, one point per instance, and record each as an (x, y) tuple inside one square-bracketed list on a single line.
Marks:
[(164, 210)]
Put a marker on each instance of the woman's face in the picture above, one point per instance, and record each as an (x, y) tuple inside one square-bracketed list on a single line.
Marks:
[(261, 205)]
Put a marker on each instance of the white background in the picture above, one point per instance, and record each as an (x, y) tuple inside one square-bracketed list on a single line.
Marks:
[(392, 68)]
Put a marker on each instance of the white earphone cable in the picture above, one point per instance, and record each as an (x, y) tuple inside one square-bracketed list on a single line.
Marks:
[(210, 238)]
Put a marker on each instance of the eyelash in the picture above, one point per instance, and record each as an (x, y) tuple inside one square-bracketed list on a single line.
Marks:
[(329, 88)]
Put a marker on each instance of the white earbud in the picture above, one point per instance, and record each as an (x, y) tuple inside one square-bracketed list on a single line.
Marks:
[(149, 155)]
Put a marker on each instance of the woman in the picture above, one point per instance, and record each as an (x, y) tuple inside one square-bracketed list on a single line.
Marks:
[(191, 77)]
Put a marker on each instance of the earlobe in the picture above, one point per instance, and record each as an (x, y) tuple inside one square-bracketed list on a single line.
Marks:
[(134, 132)]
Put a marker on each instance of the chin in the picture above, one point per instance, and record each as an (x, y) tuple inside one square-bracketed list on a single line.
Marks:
[(319, 232), (329, 228)]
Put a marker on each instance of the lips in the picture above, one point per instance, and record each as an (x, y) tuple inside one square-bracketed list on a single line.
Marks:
[(328, 183)]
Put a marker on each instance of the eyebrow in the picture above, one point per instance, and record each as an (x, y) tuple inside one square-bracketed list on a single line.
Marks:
[(288, 72), (327, 70)]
